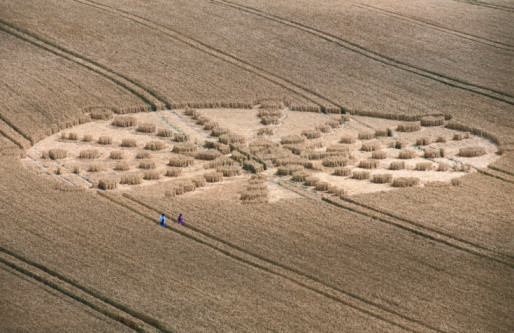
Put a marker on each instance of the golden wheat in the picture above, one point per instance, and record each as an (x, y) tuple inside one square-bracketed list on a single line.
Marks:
[(155, 145), (405, 181), (56, 154), (146, 128), (105, 140), (408, 127), (129, 143), (89, 154), (124, 121), (471, 151)]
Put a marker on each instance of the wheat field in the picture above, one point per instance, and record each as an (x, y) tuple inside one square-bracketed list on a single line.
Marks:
[(342, 166)]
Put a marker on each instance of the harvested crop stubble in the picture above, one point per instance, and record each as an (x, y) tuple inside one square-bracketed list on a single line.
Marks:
[(337, 191), (107, 184), (69, 136), (207, 155), (292, 139), (164, 132), (460, 136), (56, 154), (288, 170), (398, 144), (382, 178), (122, 166), (407, 154), (224, 149), (131, 180), (143, 154), (147, 164), (342, 172), (191, 112), (219, 131), (397, 165), (295, 149), (232, 138), (188, 185), (253, 166), (369, 164), (440, 139), (213, 177), (313, 155), (180, 137), (366, 135), (181, 161), (146, 128), (424, 141), (265, 131), (311, 181), (128, 143), (379, 155), (270, 120), (229, 171), (87, 138), (184, 147), (335, 161), (300, 176), (383, 132), (405, 181), (95, 168), (254, 195), (408, 127), (334, 123), (324, 128), (124, 121), (105, 140), (202, 120), (359, 175), (117, 155), (341, 150), (173, 172), (471, 151), (443, 167), (102, 114), (322, 186), (151, 175), (199, 181), (208, 126), (371, 146), (220, 161), (432, 121), (89, 154), (348, 139), (432, 153), (155, 145), (424, 166), (311, 134)]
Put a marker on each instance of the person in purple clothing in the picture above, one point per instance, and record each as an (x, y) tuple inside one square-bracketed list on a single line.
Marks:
[(180, 219), (163, 220)]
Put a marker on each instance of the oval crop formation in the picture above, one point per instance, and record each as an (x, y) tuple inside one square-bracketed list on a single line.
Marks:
[(256, 166)]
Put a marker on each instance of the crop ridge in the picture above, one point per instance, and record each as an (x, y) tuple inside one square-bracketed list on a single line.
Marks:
[(72, 289), (332, 292), (310, 95), (489, 5), (444, 79), (438, 27), (121, 80)]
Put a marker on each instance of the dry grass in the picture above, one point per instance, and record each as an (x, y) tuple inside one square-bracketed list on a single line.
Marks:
[(322, 186), (191, 112), (147, 164), (253, 166), (471, 151), (381, 178), (300, 176), (288, 170), (348, 139), (460, 136), (213, 177), (371, 146), (131, 180), (456, 182), (313, 155), (311, 134), (107, 184), (102, 114), (151, 175), (173, 172), (221, 161), (87, 138), (199, 181), (366, 135), (432, 121), (334, 123), (56, 154), (383, 132), (265, 131), (432, 153), (128, 143), (323, 129), (124, 121), (405, 181), (270, 120), (143, 155), (165, 133), (342, 172), (424, 166), (440, 139), (219, 131), (89, 154), (155, 145), (208, 126), (105, 140), (397, 165), (335, 161), (424, 141), (408, 127), (95, 168), (184, 147), (181, 161), (146, 128), (311, 181), (232, 139), (122, 166), (443, 167), (291, 139), (69, 136), (379, 155), (76, 170), (398, 144), (229, 171), (180, 137), (369, 164), (207, 155), (360, 175), (117, 155), (461, 167), (407, 154)]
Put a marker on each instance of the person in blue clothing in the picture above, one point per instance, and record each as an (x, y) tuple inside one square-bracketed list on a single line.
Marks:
[(163, 220)]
